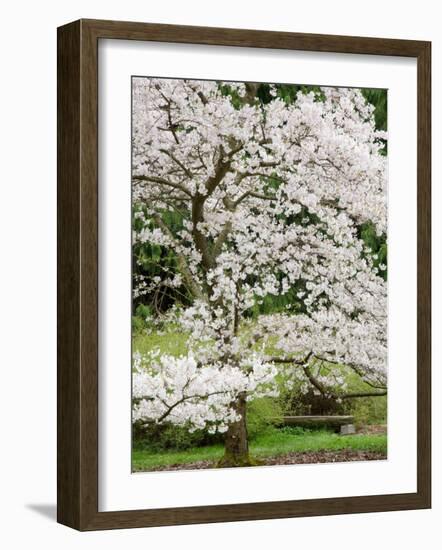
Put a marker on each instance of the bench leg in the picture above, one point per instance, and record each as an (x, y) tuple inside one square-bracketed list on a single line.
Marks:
[(348, 429)]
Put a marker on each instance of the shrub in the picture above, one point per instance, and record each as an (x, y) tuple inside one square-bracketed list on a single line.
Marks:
[(137, 324), (262, 414), (162, 437), (140, 320), (368, 410), (296, 430)]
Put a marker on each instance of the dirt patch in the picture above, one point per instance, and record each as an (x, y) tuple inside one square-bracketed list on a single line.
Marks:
[(321, 457), (318, 457)]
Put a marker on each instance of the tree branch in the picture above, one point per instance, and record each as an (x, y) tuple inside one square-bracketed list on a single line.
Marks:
[(198, 210), (330, 393), (162, 181), (289, 360), (177, 161), (170, 408), (182, 263), (221, 239)]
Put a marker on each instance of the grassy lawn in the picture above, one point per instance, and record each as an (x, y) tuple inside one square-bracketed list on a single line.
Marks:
[(170, 343), (275, 442), (174, 342)]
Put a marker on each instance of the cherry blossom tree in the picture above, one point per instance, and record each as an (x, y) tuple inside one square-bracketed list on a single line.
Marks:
[(271, 195)]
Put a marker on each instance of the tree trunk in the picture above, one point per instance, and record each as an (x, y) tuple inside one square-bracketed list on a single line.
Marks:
[(236, 451)]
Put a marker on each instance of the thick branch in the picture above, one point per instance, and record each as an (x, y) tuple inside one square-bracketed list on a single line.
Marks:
[(251, 89), (290, 360), (162, 181), (330, 393), (182, 263), (167, 107), (198, 211), (355, 368), (217, 247)]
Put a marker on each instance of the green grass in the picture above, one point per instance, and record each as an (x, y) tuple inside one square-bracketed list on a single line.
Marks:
[(170, 343), (273, 443), (174, 343)]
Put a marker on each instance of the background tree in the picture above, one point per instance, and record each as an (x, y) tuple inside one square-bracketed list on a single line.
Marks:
[(244, 192)]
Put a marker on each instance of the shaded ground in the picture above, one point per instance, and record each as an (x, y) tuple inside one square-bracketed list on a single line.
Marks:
[(290, 458)]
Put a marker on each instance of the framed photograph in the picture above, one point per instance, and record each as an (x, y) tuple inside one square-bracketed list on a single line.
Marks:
[(243, 275)]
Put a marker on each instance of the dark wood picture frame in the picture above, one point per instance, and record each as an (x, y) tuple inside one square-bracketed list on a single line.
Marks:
[(78, 274)]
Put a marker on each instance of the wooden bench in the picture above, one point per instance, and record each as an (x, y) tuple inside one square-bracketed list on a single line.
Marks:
[(342, 424)]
